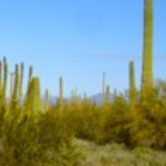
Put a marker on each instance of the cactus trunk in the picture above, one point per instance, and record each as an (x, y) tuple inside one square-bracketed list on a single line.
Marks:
[(33, 100), (21, 82), (0, 76), (30, 74), (60, 92), (147, 68), (132, 88), (47, 99), (107, 94), (16, 88), (5, 78), (104, 88)]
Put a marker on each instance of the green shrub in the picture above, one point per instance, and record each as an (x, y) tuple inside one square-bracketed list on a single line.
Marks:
[(36, 141)]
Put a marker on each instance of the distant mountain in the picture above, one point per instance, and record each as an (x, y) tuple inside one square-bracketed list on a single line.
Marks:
[(98, 98)]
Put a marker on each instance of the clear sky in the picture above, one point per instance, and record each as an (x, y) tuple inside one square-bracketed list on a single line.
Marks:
[(80, 40)]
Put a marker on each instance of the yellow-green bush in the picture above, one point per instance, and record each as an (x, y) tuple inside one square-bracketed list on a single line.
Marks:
[(29, 140), (33, 134)]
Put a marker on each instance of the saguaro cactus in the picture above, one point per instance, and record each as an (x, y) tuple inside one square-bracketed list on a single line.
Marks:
[(12, 75), (5, 77), (29, 79), (0, 76), (21, 81), (60, 91), (115, 93), (29, 98), (16, 87), (103, 85), (47, 99), (33, 100), (36, 94), (147, 68), (132, 88), (107, 94), (1, 86), (30, 73)]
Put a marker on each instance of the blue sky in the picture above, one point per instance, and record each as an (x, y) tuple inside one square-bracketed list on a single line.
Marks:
[(80, 40)]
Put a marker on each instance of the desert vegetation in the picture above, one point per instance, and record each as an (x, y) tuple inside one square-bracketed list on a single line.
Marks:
[(128, 130)]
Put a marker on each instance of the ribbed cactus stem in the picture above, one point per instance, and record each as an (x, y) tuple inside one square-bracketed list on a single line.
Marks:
[(132, 87), (5, 77), (36, 94), (21, 82), (16, 87), (30, 73), (0, 76), (29, 98), (1, 86), (61, 91), (147, 67), (33, 98), (107, 94), (47, 99), (115, 93), (103, 86), (12, 75), (30, 76)]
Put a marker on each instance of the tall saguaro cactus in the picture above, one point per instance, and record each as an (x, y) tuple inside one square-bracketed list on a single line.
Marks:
[(1, 86), (104, 86), (0, 76), (147, 67), (36, 94), (21, 81), (30, 73), (33, 98), (61, 91), (5, 77), (29, 79), (47, 99), (12, 75), (132, 88), (115, 93), (107, 94), (16, 87), (29, 98)]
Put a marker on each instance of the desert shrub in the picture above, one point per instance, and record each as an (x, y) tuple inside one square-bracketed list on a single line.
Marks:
[(141, 124), (29, 140), (141, 131), (82, 119), (148, 127), (115, 121)]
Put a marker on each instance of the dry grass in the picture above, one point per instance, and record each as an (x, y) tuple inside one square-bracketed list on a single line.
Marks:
[(118, 155)]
